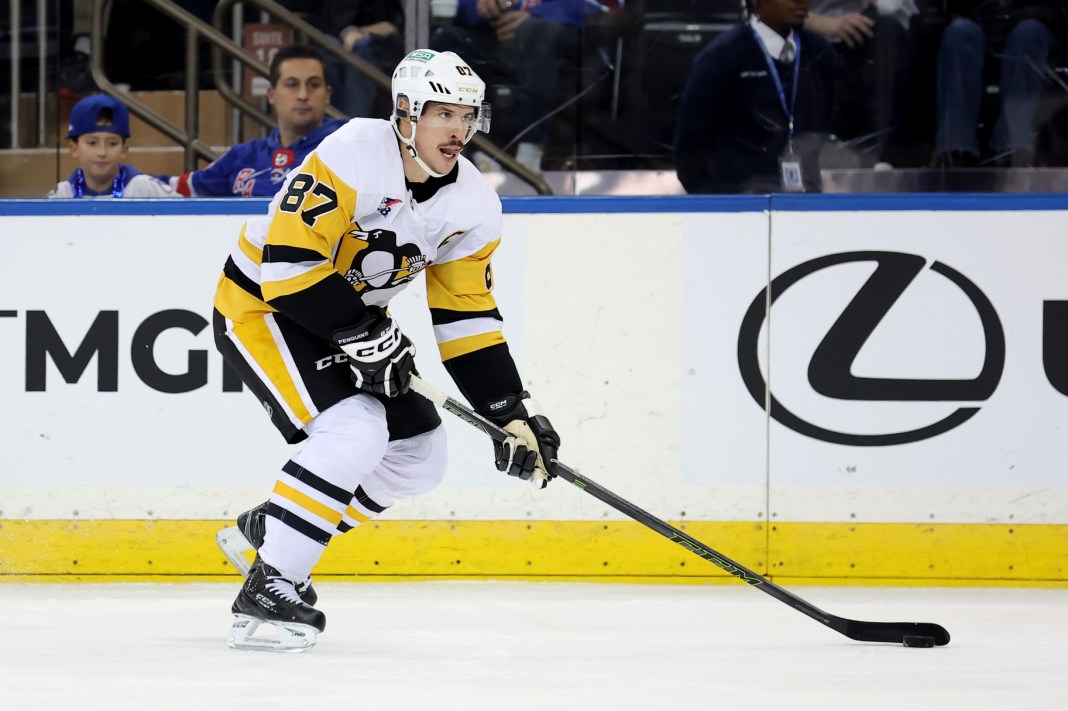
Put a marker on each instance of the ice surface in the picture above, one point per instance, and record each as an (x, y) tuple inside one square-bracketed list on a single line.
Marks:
[(497, 645)]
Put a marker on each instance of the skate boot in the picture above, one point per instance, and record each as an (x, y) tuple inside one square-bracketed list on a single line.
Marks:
[(267, 597), (248, 535)]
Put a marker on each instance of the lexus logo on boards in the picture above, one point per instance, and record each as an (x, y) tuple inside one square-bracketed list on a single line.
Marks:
[(830, 369)]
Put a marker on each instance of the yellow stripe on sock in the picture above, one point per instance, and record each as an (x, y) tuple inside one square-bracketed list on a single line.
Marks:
[(306, 502), (356, 515)]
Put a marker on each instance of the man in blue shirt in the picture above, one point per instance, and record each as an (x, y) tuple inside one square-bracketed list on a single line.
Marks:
[(257, 168)]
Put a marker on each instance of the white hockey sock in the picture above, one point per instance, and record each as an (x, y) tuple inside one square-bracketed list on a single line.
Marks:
[(304, 513), (291, 552)]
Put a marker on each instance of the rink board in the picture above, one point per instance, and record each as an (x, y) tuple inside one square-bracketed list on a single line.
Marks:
[(915, 359)]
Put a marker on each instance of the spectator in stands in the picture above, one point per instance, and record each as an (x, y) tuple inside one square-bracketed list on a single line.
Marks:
[(75, 76), (872, 44), (299, 94), (99, 131), (755, 104), (373, 30), (527, 44), (1023, 35)]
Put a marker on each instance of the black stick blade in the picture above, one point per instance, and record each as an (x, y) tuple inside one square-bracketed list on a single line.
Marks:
[(892, 632)]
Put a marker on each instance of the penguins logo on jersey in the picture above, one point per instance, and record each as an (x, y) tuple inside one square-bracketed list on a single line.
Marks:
[(374, 260)]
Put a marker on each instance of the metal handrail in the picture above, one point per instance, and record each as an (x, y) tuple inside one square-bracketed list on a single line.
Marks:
[(196, 29), (331, 45), (189, 138)]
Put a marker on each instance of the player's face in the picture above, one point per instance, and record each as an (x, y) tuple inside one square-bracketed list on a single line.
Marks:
[(99, 155), (443, 130), (300, 96)]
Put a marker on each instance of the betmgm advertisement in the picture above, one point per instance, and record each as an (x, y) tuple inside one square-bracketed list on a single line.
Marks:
[(797, 385)]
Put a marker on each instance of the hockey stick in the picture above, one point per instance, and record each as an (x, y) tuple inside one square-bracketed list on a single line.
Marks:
[(920, 634)]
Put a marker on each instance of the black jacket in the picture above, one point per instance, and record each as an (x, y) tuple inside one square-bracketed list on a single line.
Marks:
[(732, 129)]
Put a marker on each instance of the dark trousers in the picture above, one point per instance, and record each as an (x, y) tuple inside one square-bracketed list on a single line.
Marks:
[(961, 60), (871, 87)]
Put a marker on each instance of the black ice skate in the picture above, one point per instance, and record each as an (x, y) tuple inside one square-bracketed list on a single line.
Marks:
[(267, 597), (247, 536)]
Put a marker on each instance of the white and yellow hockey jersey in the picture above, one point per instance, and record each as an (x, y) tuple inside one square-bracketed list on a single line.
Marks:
[(346, 227)]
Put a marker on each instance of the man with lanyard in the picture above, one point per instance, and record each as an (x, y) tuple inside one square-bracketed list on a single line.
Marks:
[(756, 105)]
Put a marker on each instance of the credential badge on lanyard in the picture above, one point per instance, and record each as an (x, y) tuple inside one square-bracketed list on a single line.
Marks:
[(789, 162)]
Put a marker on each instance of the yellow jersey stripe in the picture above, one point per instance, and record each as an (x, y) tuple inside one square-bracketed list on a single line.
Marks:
[(462, 285), (236, 304), (288, 228), (293, 285), (258, 341), (470, 344), (443, 299)]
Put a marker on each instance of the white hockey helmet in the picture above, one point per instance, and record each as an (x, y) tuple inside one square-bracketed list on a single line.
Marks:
[(424, 76)]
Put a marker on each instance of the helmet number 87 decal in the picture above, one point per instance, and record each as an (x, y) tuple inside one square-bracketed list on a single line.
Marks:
[(298, 188)]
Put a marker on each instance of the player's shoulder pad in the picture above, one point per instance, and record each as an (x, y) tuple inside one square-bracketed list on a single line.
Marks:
[(361, 153)]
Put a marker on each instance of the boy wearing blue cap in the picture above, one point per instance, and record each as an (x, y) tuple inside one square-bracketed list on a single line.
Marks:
[(98, 132)]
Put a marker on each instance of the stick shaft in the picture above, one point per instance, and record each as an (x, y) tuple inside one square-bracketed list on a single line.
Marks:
[(855, 629)]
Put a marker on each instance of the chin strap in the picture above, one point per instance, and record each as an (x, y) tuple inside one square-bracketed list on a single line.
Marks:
[(409, 143)]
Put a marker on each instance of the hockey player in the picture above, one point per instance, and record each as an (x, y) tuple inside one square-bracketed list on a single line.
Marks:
[(99, 132), (300, 313)]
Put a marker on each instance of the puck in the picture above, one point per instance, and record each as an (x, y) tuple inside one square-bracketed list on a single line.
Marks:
[(918, 641)]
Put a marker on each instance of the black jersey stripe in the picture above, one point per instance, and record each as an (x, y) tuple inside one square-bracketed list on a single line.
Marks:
[(238, 277), (323, 307), (367, 502), (343, 527), (298, 524), (279, 253), (440, 317), (319, 484)]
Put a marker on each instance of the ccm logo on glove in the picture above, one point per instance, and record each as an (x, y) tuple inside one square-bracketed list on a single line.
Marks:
[(532, 443), (388, 342), (381, 358)]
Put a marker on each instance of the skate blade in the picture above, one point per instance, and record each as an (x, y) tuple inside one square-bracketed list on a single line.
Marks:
[(234, 546), (290, 637)]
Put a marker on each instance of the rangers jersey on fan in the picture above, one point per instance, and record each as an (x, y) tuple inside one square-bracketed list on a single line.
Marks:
[(346, 230), (254, 168)]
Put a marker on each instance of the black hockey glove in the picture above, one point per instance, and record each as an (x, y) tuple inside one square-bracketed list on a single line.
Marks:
[(380, 356), (533, 444)]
